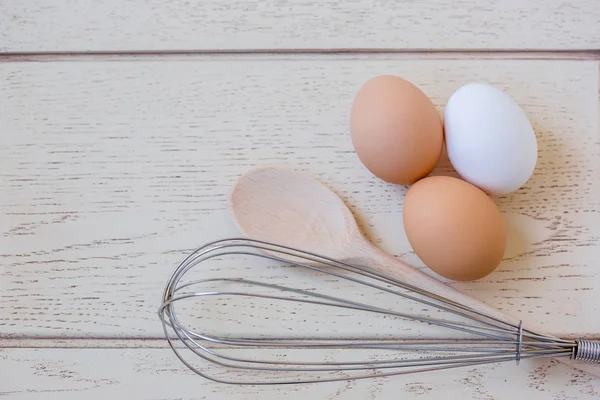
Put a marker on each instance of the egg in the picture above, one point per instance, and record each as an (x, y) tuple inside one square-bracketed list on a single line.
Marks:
[(396, 130), (490, 141), (454, 228)]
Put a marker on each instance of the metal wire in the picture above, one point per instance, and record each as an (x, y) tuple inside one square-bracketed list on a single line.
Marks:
[(270, 359), (587, 350)]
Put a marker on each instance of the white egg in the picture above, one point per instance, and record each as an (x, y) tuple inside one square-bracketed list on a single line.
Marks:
[(490, 141)]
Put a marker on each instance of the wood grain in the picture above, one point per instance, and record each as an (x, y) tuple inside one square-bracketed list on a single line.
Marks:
[(136, 25), (156, 374), (111, 172)]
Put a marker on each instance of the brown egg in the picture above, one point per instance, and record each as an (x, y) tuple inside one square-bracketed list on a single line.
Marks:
[(454, 228), (396, 130)]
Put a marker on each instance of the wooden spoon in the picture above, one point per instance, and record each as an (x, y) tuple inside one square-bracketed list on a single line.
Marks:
[(289, 208)]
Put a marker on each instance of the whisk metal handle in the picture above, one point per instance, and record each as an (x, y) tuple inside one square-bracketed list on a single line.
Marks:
[(587, 350)]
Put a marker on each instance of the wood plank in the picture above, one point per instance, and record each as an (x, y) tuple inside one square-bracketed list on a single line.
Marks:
[(82, 343), (156, 374), (111, 172), (154, 25)]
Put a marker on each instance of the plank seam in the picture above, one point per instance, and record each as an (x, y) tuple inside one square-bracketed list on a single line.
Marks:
[(505, 54)]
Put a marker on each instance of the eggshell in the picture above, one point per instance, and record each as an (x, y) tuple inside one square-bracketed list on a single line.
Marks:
[(396, 130), (454, 228), (490, 141)]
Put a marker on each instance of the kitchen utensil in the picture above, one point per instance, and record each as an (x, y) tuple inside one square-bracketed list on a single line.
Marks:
[(273, 359)]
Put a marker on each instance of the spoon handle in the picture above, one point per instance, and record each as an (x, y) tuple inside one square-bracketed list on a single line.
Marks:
[(391, 266)]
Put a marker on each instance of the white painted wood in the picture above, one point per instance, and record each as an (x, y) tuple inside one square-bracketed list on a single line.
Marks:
[(115, 25), (48, 374), (111, 172), (79, 343)]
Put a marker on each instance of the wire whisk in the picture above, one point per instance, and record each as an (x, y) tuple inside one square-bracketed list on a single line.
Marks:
[(461, 335)]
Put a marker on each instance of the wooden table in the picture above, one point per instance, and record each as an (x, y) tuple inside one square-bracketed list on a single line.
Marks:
[(123, 126)]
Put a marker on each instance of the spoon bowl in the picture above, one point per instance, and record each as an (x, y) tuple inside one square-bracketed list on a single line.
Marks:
[(293, 209)]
